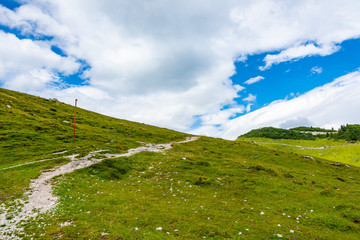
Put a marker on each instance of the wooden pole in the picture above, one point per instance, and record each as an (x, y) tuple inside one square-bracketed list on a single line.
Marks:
[(74, 120)]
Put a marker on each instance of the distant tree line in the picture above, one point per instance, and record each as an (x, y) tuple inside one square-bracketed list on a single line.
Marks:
[(349, 132), (278, 133), (312, 129)]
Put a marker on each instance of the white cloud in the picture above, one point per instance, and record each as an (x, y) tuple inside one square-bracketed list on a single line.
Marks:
[(316, 70), (238, 88), (248, 107), (254, 80), (162, 62), (328, 106), (221, 117), (295, 53), (29, 65), (250, 98), (296, 122)]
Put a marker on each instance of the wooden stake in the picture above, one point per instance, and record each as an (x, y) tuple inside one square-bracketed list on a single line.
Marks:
[(74, 120)]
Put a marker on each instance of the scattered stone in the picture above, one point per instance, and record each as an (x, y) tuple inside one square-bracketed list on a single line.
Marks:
[(306, 156), (8, 106), (67, 223), (336, 164), (39, 199)]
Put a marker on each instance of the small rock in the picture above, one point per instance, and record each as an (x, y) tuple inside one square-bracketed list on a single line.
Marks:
[(67, 223), (159, 228), (8, 106)]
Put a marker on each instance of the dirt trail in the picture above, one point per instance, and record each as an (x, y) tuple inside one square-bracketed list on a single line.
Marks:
[(39, 199), (290, 145)]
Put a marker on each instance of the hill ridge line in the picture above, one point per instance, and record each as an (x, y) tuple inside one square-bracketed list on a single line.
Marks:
[(40, 197)]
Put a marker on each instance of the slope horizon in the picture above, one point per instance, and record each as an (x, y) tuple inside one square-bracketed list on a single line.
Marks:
[(226, 136)]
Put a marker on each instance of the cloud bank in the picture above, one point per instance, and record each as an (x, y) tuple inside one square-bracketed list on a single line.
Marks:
[(327, 106), (166, 63)]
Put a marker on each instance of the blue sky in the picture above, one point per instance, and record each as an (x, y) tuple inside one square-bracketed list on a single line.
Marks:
[(218, 69), (290, 79), (11, 4)]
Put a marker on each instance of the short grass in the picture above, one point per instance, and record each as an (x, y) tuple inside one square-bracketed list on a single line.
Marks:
[(330, 149), (33, 128), (209, 188)]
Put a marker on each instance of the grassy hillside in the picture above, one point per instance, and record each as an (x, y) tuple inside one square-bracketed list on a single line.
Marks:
[(33, 128), (209, 188), (333, 150)]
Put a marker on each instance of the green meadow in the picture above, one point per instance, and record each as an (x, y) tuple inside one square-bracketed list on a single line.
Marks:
[(339, 150), (206, 189)]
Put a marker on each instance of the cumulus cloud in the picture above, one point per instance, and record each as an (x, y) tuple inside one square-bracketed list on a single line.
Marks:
[(250, 98), (297, 122), (29, 65), (221, 117), (248, 107), (316, 70), (323, 106), (254, 80), (295, 53), (162, 62)]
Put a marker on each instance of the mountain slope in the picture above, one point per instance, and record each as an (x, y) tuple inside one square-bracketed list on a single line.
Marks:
[(33, 128), (208, 188)]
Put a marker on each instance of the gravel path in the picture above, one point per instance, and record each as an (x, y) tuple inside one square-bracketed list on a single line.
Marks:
[(39, 199)]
